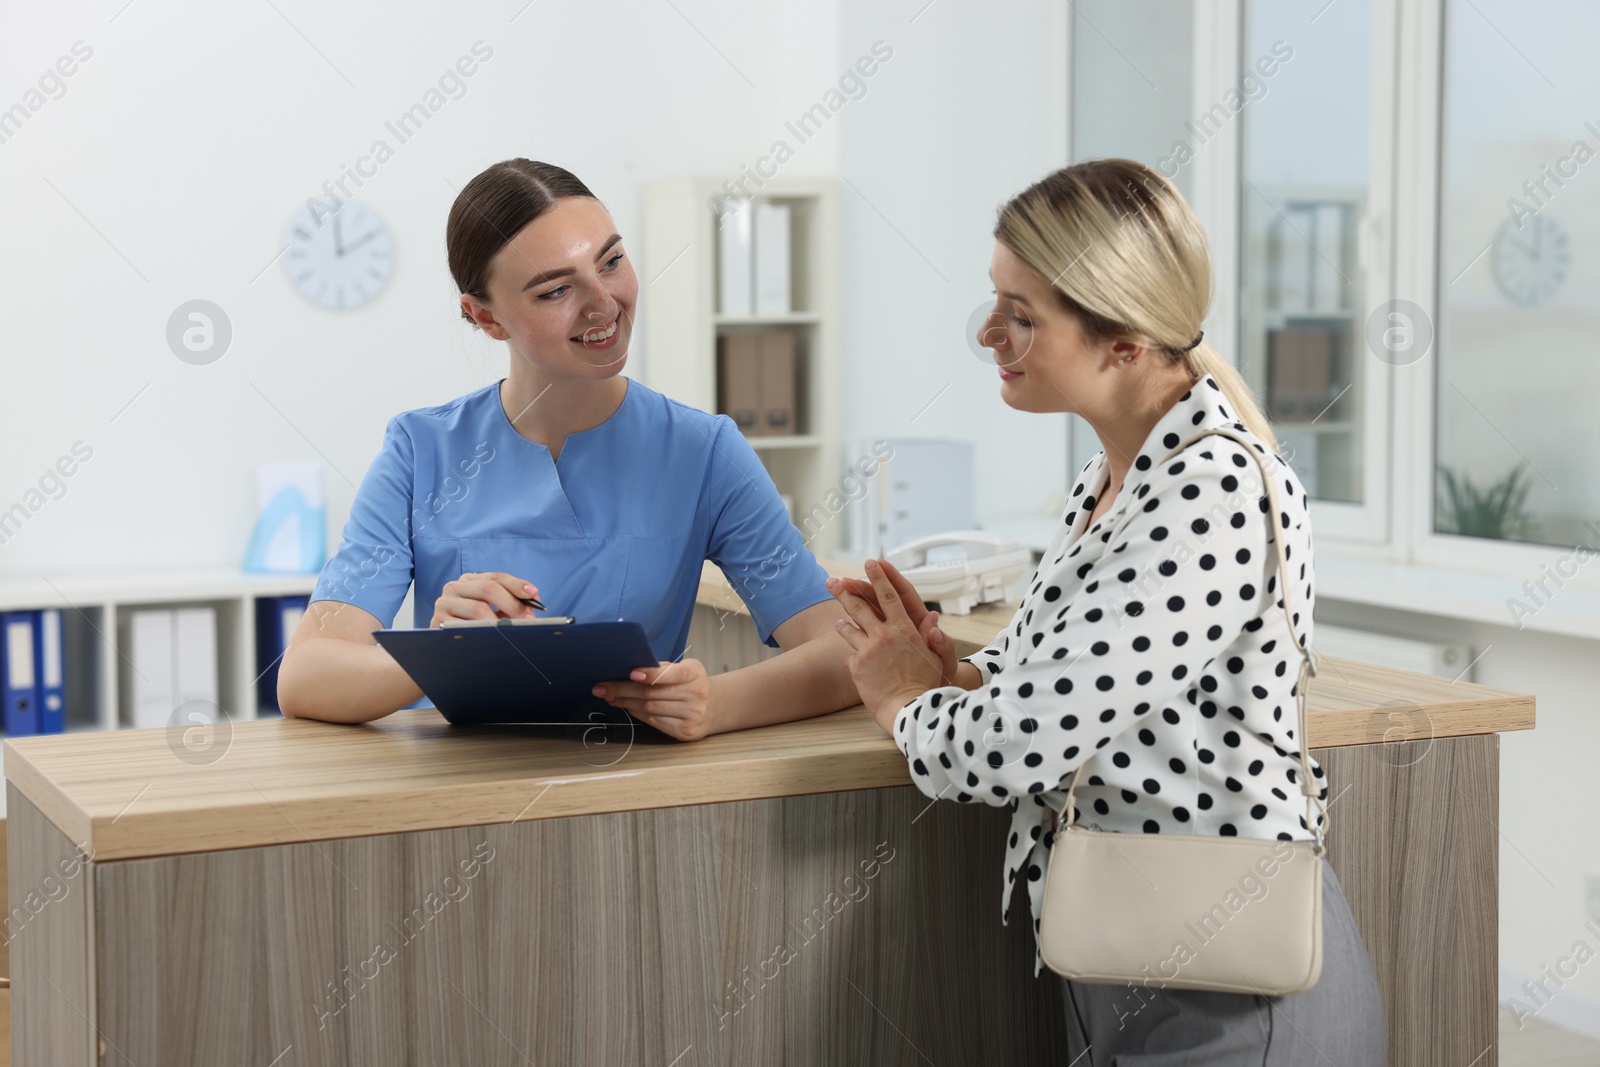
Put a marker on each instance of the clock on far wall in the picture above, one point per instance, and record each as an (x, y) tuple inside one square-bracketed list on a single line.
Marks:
[(1530, 262), (338, 259)]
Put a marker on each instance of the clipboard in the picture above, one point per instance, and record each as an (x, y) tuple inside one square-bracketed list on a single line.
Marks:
[(516, 674)]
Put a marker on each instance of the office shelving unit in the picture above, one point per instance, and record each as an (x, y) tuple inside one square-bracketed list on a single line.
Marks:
[(95, 615), (682, 324)]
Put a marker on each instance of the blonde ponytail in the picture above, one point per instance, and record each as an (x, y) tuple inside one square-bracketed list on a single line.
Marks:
[(1129, 259), (1204, 359)]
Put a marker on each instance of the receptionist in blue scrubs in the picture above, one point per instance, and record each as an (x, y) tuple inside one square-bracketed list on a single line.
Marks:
[(567, 482)]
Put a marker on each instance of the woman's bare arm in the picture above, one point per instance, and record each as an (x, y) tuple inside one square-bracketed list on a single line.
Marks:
[(336, 671)]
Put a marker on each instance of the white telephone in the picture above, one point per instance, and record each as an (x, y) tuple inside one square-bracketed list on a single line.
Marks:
[(963, 569)]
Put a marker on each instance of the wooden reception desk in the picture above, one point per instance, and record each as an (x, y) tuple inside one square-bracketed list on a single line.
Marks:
[(406, 892)]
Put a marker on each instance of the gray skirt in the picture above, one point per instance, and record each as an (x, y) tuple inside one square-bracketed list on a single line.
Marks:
[(1339, 1020)]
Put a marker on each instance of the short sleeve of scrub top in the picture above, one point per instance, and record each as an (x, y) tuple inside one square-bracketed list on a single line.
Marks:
[(617, 527), (372, 568)]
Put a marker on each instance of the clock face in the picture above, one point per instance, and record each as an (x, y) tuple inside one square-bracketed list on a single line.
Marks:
[(338, 259), (1530, 262)]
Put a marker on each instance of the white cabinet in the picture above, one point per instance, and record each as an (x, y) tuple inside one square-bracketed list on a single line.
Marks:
[(679, 286)]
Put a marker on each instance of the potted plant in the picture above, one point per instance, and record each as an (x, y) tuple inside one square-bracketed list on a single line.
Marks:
[(1496, 512)]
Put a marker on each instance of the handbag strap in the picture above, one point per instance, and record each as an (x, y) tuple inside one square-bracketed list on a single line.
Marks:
[(1308, 669)]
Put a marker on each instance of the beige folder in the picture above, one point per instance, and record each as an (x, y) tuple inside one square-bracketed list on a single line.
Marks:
[(1284, 348), (739, 381), (778, 414), (1316, 370)]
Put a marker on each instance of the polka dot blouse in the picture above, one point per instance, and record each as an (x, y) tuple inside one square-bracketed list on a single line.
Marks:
[(1153, 642)]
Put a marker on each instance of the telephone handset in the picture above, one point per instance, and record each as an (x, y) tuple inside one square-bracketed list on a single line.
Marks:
[(962, 569)]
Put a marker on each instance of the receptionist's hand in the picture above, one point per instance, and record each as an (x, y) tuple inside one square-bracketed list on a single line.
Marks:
[(675, 698), (490, 595)]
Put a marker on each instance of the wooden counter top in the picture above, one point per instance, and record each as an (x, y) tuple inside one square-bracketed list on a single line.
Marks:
[(127, 793)]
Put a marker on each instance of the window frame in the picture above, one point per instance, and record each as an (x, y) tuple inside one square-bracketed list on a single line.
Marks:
[(1366, 524), (1513, 561), (1467, 577)]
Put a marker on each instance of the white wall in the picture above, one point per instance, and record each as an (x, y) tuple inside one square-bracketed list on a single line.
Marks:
[(971, 109), (193, 132), (180, 148), (1132, 80)]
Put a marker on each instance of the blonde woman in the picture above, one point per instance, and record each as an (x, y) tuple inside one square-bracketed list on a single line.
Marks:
[(1162, 653)]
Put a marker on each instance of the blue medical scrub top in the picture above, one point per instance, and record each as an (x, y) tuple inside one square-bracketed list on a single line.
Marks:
[(617, 528)]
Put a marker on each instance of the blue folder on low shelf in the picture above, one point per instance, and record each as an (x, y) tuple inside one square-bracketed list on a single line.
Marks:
[(276, 619), (49, 665), (18, 672)]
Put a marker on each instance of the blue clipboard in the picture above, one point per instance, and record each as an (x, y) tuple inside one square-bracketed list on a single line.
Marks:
[(528, 675)]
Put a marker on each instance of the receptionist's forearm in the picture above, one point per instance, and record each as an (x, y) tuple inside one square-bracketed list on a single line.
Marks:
[(337, 680), (807, 680)]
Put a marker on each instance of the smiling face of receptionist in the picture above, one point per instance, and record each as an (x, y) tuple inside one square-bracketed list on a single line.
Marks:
[(1047, 361), (562, 292)]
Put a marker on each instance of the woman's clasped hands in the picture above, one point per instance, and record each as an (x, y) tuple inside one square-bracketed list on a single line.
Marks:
[(899, 650)]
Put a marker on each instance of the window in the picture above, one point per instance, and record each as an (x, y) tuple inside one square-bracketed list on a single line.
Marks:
[(1515, 434)]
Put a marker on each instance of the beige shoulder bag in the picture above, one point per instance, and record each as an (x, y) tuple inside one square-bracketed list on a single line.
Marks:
[(1229, 914)]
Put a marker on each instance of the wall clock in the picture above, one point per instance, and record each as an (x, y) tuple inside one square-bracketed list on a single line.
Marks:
[(338, 259), (1530, 262)]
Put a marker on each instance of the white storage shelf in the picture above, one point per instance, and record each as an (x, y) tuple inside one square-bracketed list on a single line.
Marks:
[(682, 323), (95, 612), (794, 318)]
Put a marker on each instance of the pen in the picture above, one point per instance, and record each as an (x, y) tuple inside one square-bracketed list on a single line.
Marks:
[(532, 602)]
